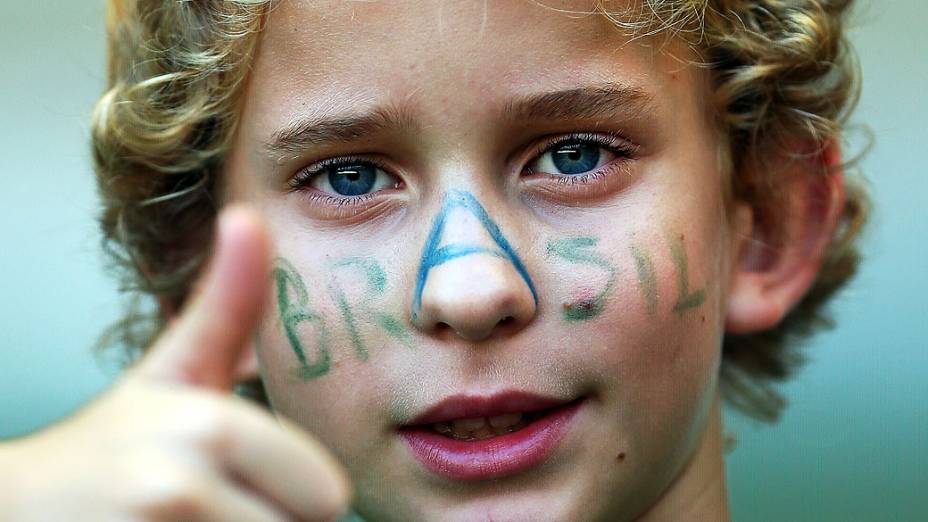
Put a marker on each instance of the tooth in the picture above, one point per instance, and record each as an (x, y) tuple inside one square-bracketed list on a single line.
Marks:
[(459, 434), (484, 432), (442, 427), (501, 430), (466, 425), (504, 421)]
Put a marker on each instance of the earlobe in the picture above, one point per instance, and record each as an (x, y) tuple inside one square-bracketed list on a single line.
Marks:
[(780, 258)]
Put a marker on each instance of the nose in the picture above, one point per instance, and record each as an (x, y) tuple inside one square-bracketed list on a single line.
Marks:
[(473, 295), (470, 278)]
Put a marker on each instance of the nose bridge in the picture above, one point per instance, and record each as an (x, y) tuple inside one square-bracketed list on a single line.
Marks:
[(470, 277)]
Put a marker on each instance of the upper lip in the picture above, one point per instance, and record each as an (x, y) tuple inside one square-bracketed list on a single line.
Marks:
[(469, 406)]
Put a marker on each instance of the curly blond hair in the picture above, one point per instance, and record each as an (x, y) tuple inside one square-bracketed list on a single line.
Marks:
[(782, 73)]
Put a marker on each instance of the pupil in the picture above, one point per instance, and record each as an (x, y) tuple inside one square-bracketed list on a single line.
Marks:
[(353, 180), (576, 158)]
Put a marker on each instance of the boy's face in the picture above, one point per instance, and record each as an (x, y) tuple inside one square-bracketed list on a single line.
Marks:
[(488, 203)]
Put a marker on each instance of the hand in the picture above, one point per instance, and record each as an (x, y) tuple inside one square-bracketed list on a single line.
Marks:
[(169, 442)]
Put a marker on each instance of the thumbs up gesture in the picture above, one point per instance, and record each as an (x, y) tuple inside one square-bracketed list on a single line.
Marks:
[(169, 442)]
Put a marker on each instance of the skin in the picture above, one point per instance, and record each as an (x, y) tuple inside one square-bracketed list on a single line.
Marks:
[(435, 253), (294, 314), (577, 250), (645, 268), (292, 307), (647, 443), (687, 300)]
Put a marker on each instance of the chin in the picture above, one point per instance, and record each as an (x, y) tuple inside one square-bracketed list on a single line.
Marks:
[(497, 504)]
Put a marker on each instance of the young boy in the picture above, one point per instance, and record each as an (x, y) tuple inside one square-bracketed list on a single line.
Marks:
[(518, 247)]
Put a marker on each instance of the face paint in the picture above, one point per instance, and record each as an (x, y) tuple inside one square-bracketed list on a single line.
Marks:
[(350, 324), (289, 285), (433, 256), (293, 306), (376, 285), (578, 250), (686, 300), (646, 279), (395, 329)]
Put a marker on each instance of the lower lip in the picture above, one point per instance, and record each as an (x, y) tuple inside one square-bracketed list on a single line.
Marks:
[(494, 457)]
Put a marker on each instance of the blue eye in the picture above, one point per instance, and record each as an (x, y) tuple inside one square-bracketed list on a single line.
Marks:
[(573, 157), (576, 158), (345, 177), (354, 180)]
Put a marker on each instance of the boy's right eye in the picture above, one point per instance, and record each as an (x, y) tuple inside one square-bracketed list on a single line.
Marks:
[(345, 178)]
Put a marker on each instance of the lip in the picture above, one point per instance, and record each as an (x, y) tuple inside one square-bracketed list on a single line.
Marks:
[(467, 406), (495, 457)]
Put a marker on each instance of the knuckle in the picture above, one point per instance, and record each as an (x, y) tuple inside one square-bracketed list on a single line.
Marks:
[(173, 493), (179, 507), (208, 419)]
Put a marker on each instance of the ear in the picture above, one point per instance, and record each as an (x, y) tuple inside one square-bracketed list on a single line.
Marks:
[(780, 257)]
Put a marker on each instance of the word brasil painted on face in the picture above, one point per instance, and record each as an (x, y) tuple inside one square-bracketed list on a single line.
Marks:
[(294, 308), (686, 300), (433, 255), (579, 250)]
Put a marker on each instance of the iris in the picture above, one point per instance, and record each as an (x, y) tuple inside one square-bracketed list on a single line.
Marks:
[(353, 180), (576, 158)]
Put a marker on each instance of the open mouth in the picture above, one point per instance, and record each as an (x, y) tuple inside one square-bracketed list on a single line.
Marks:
[(482, 428), (514, 433)]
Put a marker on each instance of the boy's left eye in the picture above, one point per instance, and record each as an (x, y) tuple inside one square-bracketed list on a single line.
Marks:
[(571, 159), (576, 156)]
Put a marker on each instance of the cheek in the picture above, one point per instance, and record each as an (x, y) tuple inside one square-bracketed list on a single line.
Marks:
[(654, 299), (647, 313), (318, 342), (668, 375)]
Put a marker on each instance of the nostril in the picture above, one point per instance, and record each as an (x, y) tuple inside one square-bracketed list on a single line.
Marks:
[(507, 320), (441, 325)]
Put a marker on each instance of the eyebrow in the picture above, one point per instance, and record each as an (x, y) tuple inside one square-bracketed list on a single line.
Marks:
[(308, 132), (601, 101)]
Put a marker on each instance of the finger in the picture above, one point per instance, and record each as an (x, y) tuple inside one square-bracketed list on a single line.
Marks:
[(205, 344), (231, 503), (204, 496), (278, 460)]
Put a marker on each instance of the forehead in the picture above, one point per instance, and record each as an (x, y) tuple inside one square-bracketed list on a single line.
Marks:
[(450, 59)]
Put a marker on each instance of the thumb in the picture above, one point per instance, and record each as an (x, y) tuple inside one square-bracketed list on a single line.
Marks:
[(204, 346)]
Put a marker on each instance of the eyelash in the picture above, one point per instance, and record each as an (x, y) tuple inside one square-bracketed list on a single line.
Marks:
[(612, 142), (302, 179)]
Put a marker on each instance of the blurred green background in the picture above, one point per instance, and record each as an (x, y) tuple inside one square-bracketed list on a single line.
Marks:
[(852, 446)]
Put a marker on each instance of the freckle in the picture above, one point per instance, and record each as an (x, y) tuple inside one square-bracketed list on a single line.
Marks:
[(704, 319), (620, 457), (682, 237)]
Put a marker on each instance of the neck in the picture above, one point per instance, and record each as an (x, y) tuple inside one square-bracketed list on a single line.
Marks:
[(699, 492)]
